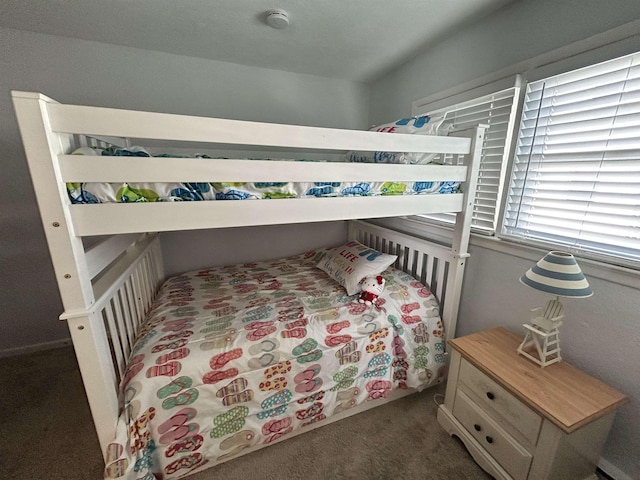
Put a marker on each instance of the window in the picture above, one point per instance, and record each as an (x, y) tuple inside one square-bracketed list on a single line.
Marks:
[(575, 179), (497, 110)]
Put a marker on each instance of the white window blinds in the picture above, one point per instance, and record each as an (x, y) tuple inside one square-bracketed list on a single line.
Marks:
[(576, 173), (497, 110)]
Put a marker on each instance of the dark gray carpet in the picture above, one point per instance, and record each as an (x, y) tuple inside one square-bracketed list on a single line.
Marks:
[(46, 432)]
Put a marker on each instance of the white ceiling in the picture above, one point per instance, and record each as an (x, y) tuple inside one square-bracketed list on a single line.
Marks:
[(349, 39)]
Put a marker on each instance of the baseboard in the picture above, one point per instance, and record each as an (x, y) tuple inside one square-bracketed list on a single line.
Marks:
[(611, 471), (38, 347)]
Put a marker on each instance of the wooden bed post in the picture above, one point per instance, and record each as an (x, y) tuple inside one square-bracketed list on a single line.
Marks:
[(42, 147), (92, 348), (461, 233), (462, 230)]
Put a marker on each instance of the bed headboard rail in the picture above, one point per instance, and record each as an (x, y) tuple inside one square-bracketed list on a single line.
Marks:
[(436, 266)]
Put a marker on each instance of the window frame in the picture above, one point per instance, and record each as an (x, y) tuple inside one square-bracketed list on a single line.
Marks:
[(579, 249), (620, 41)]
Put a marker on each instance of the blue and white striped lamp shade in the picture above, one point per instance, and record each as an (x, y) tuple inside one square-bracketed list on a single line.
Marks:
[(559, 274)]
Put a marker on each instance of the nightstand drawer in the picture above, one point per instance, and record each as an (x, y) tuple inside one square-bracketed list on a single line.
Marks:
[(500, 445), (511, 413)]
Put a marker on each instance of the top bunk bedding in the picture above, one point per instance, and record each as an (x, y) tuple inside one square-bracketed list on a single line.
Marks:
[(86, 193), (128, 192)]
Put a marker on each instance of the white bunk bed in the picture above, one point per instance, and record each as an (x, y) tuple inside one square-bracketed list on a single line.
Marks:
[(108, 285)]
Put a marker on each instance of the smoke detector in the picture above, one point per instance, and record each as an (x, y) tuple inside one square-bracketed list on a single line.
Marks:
[(277, 19)]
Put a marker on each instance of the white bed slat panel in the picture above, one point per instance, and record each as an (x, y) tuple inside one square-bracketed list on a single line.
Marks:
[(422, 267), (151, 290), (130, 309), (121, 267), (87, 168), (144, 287), (117, 316), (125, 320), (409, 259), (162, 126), (123, 332), (418, 264), (103, 253), (430, 263), (114, 339), (429, 269), (132, 299), (441, 282), (102, 219), (103, 337), (151, 287), (142, 301)]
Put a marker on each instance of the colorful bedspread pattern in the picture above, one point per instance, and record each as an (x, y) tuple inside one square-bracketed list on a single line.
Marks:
[(234, 357), (94, 192)]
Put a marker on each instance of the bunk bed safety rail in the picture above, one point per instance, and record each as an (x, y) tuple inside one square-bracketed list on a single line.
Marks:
[(108, 122), (125, 289), (51, 131), (430, 263)]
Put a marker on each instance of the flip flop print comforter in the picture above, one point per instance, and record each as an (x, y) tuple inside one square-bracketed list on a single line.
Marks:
[(237, 356)]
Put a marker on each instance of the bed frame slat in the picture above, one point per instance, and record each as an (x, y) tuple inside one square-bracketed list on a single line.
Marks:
[(114, 339), (106, 251), (126, 317), (166, 216), (123, 335), (98, 121), (86, 168)]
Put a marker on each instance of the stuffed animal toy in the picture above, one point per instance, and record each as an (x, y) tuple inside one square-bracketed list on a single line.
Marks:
[(371, 289)]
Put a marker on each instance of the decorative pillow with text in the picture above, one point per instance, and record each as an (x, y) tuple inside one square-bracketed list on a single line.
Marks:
[(350, 263)]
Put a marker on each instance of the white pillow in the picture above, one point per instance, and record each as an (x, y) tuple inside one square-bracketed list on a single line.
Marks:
[(422, 125), (348, 264)]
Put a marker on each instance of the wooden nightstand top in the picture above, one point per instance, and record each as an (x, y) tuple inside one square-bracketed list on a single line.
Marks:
[(560, 392)]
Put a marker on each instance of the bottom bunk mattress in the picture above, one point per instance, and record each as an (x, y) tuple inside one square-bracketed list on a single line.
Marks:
[(238, 356)]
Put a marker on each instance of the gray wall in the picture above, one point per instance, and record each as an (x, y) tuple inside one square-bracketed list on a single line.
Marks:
[(516, 33), (74, 71), (601, 334)]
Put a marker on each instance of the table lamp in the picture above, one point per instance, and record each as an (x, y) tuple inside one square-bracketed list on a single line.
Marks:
[(559, 274)]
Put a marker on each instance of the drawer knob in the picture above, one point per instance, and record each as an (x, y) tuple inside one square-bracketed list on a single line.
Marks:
[(490, 395), (477, 427), (489, 439)]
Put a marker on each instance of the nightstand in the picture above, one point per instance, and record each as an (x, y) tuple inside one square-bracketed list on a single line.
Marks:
[(520, 421)]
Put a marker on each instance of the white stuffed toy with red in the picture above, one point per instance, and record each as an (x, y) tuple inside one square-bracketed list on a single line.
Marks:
[(371, 289)]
